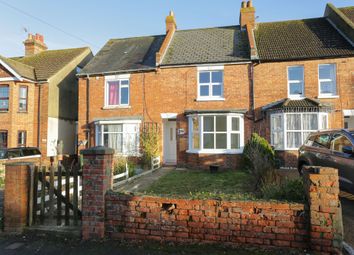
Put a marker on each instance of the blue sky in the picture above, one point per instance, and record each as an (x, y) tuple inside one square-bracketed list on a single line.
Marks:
[(96, 21)]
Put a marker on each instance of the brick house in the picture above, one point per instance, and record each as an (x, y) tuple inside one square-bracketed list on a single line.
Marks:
[(38, 97), (209, 89)]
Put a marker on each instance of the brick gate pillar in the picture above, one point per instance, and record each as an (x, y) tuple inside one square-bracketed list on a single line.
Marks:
[(325, 212), (96, 174), (16, 197)]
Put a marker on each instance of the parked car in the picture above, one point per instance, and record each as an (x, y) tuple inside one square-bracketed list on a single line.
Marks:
[(333, 148), (21, 152)]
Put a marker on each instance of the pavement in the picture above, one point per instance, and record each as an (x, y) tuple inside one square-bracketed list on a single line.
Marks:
[(348, 220)]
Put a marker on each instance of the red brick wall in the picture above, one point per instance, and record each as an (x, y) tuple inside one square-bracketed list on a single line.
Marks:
[(165, 219), (171, 90)]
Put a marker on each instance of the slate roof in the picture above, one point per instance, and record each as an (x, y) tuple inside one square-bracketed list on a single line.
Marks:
[(348, 12), (122, 55), (300, 39), (209, 45), (23, 70), (291, 105), (49, 62)]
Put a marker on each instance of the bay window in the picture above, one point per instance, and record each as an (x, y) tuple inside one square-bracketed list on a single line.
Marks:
[(296, 82), (117, 91), (216, 133), (123, 137), (290, 130), (327, 79)]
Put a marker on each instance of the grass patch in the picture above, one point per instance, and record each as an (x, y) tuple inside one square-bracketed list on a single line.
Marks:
[(226, 185)]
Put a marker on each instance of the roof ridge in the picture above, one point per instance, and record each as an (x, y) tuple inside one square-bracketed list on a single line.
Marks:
[(292, 20), (46, 51)]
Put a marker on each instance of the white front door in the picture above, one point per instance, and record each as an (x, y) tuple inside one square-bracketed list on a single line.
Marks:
[(169, 142)]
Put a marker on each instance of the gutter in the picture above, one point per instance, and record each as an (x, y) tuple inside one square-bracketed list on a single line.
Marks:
[(87, 111), (116, 72)]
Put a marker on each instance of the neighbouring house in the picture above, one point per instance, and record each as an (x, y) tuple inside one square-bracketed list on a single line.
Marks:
[(209, 89), (38, 97)]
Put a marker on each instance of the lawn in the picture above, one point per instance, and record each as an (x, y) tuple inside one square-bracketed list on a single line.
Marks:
[(204, 185)]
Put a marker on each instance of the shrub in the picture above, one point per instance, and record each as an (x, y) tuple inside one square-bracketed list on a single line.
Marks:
[(120, 163), (150, 144), (259, 160), (290, 190)]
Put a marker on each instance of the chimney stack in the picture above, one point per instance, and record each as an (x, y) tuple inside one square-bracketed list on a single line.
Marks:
[(34, 44), (171, 22), (247, 15)]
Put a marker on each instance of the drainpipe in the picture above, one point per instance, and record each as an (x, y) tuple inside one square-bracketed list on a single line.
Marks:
[(39, 117), (87, 111)]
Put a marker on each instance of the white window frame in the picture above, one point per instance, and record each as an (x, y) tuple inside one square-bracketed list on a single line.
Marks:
[(99, 134), (116, 78), (210, 97), (327, 95), (229, 131), (285, 129), (295, 82)]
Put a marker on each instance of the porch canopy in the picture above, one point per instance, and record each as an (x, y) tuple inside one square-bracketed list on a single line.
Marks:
[(302, 105)]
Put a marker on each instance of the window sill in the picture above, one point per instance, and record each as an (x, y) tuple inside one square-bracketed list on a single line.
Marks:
[(202, 99), (22, 112), (3, 111), (116, 107), (327, 97), (296, 97), (215, 151)]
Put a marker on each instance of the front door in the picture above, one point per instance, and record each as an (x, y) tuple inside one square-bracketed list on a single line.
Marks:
[(169, 142)]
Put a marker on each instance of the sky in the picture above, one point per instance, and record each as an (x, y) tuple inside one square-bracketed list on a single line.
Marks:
[(78, 23)]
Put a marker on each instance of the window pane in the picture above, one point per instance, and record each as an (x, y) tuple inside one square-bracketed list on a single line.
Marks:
[(208, 123), (339, 141), (221, 124), (327, 87), (208, 141), (326, 71), (221, 141), (296, 88), (113, 128), (204, 90), (235, 141), (217, 77), (124, 82), (235, 124), (23, 92), (125, 96), (310, 121), (3, 139), (204, 77), (294, 139), (296, 73), (217, 90), (130, 143), (278, 139), (324, 124), (113, 93), (195, 122), (4, 91), (322, 141), (22, 104), (277, 122), (114, 141), (293, 121), (4, 104)]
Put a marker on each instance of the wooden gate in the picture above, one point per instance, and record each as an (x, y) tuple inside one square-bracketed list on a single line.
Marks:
[(56, 195)]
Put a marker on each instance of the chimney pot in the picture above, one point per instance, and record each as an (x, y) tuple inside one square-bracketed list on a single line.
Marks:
[(249, 3), (243, 4), (171, 22)]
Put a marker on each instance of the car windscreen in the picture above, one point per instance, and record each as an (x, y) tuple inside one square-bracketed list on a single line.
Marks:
[(27, 152), (14, 153)]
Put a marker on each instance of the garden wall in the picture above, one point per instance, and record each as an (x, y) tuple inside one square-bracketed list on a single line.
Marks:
[(181, 220)]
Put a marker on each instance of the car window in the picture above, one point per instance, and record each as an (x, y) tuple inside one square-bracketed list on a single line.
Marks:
[(2, 154), (338, 142), (14, 153), (322, 141), (30, 152), (310, 140)]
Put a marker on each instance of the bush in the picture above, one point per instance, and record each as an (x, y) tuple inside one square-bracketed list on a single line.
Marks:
[(259, 160), (290, 190), (150, 144), (119, 165)]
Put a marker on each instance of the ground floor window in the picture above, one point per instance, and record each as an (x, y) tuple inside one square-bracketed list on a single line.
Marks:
[(3, 139), (290, 130), (121, 136), (216, 133)]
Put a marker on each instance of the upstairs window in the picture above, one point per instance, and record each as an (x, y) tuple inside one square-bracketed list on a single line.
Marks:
[(21, 139), (4, 97), (296, 82), (3, 139), (22, 101), (327, 79), (210, 83), (117, 91)]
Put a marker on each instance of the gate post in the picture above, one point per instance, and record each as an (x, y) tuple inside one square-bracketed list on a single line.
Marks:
[(96, 176), (16, 197), (325, 212)]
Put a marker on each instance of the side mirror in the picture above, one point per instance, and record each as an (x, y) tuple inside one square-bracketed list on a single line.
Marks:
[(348, 150)]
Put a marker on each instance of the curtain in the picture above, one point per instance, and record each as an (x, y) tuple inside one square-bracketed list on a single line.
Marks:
[(113, 93), (310, 121)]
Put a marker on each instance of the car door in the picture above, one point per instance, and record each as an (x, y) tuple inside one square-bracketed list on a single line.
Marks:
[(343, 160), (321, 153)]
